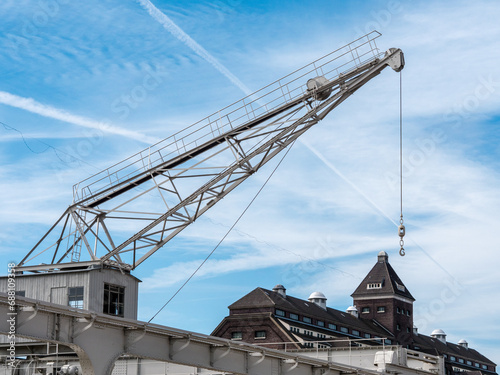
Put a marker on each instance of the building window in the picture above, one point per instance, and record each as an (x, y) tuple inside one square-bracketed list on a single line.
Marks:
[(388, 341), (452, 358), (400, 287), (469, 363), (484, 367), (367, 335), (294, 316), (236, 335), (260, 334), (320, 323), (280, 312), (75, 297), (398, 327), (114, 297), (355, 333), (294, 329), (305, 319), (365, 310), (460, 360), (476, 364), (398, 310), (21, 293), (344, 330), (374, 286), (407, 329), (332, 326), (408, 312), (381, 309)]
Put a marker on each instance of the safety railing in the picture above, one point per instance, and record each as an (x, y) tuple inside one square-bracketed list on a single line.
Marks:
[(269, 98)]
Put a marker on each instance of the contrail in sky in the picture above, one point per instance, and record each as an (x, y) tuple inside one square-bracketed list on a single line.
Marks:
[(176, 31), (31, 105)]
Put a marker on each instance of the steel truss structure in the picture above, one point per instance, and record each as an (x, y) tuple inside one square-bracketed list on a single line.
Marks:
[(122, 215)]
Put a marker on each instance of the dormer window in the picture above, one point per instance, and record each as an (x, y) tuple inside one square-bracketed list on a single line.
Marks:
[(400, 287), (374, 286), (280, 312)]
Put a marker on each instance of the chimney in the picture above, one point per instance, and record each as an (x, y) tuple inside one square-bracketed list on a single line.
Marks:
[(280, 289), (353, 311), (463, 344)]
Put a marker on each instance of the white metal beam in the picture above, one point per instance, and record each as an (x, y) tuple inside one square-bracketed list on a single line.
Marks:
[(99, 339)]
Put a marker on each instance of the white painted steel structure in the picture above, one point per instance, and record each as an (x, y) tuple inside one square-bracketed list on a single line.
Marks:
[(99, 340), (158, 192)]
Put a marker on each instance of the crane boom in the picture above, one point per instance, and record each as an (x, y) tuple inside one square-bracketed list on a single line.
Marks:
[(195, 168)]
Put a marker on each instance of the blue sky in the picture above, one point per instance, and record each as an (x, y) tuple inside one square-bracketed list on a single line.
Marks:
[(67, 71)]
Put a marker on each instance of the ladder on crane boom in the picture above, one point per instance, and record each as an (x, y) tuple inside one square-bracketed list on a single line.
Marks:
[(195, 168)]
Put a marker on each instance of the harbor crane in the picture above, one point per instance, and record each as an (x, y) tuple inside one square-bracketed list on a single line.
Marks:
[(122, 215)]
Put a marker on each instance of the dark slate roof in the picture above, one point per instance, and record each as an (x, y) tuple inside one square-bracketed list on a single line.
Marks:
[(437, 347), (382, 272), (260, 298)]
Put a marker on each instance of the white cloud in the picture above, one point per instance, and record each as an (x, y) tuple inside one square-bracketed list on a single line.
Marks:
[(30, 105)]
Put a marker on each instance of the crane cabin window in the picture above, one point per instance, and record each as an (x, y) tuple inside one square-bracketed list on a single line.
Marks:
[(75, 297), (114, 297)]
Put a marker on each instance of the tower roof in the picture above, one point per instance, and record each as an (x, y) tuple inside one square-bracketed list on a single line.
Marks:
[(382, 280)]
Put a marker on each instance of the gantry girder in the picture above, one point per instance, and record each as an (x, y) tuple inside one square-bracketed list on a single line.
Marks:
[(100, 339), (124, 214)]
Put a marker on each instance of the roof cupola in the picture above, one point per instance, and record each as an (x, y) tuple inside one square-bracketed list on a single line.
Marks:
[(439, 335), (383, 257), (319, 299), (280, 289)]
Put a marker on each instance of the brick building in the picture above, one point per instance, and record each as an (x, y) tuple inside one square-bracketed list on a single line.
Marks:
[(382, 314)]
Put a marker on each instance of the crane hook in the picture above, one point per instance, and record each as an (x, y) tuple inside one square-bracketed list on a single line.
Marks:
[(401, 232)]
